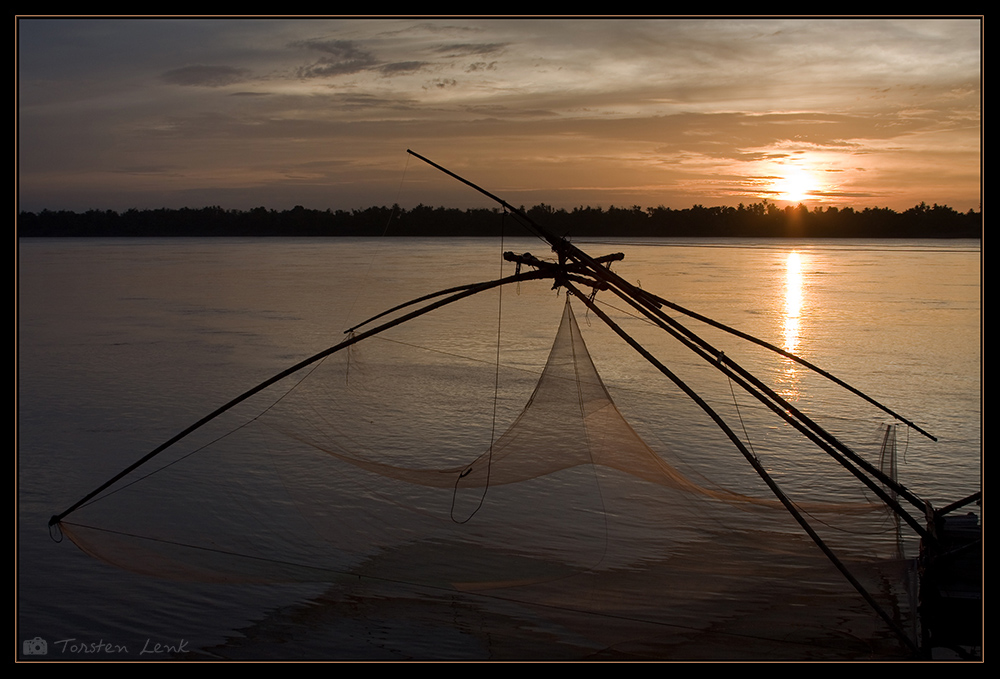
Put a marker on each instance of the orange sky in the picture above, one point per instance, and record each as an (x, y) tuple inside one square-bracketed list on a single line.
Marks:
[(115, 114)]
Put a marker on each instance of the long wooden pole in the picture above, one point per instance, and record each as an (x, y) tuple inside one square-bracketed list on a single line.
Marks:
[(803, 424), (755, 463), (801, 361), (806, 425), (566, 249), (462, 293)]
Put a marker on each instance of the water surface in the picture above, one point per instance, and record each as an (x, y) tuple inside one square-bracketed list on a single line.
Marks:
[(122, 343)]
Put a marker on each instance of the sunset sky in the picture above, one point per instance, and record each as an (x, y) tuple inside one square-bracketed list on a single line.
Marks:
[(116, 114)]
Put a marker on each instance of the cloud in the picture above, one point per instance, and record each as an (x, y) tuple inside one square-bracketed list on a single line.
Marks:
[(206, 76), (481, 66), (402, 67), (472, 49), (339, 57), (653, 111)]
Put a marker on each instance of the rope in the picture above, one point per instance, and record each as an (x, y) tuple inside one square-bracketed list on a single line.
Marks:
[(739, 414), (496, 396)]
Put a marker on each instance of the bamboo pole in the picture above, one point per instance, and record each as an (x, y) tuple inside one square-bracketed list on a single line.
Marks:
[(461, 293), (755, 463), (563, 248)]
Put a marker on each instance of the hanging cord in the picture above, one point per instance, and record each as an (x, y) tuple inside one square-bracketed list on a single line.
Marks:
[(753, 452), (350, 351), (739, 414), (55, 533), (906, 444), (496, 396)]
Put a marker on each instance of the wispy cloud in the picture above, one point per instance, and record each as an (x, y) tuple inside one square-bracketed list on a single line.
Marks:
[(206, 76), (337, 57), (572, 112), (403, 67)]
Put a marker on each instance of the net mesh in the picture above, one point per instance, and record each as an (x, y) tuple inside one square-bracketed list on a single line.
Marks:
[(356, 478), (570, 420)]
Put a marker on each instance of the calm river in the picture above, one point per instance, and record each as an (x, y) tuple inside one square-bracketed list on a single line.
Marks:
[(122, 343)]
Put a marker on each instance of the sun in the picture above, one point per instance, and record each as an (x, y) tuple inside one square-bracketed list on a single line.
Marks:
[(795, 185)]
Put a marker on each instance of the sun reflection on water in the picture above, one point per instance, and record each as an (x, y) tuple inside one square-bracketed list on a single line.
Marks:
[(793, 300), (792, 320)]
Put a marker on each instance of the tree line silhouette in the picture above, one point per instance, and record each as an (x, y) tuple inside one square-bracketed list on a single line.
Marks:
[(758, 220)]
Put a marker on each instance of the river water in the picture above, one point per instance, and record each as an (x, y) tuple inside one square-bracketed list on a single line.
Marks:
[(122, 343)]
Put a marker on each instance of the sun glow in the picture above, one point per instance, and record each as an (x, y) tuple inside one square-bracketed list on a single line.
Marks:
[(795, 185)]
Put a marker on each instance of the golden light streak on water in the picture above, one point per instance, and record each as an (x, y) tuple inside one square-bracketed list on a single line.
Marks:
[(792, 321), (793, 300)]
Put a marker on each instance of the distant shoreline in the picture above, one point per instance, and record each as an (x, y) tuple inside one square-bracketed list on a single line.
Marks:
[(760, 220)]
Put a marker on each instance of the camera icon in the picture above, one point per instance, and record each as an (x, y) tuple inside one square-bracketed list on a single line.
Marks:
[(36, 646)]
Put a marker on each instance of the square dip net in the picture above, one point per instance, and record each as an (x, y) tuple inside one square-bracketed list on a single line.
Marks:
[(381, 472)]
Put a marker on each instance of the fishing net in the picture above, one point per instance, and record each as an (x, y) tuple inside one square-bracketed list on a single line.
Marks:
[(384, 467)]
